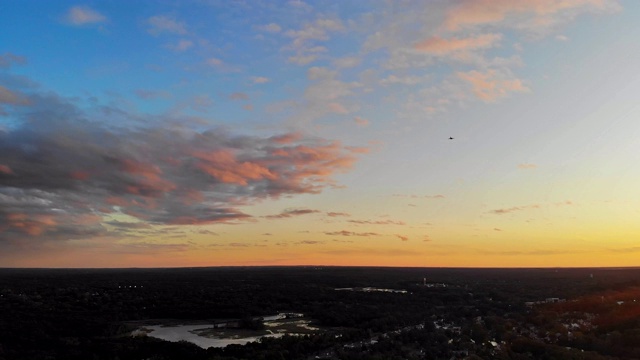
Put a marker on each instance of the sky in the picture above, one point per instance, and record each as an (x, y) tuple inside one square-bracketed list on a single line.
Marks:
[(251, 133)]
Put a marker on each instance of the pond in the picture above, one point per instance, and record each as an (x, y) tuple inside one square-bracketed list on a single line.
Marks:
[(221, 335), (191, 333)]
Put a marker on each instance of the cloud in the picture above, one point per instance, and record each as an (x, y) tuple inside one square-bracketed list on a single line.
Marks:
[(182, 45), (147, 248), (377, 222), (441, 47), (514, 209), (372, 251), (350, 233), (214, 62), (259, 80), (238, 96), (403, 80), (527, 166), (4, 169), (526, 15), (291, 213), (83, 15), (347, 62), (529, 252), (310, 242), (236, 244), (287, 138), (434, 196), (151, 94), (270, 28), (337, 214), (9, 59), (402, 237), (220, 65), (490, 86), (63, 172), (11, 98), (128, 225), (325, 95), (360, 121), (413, 196), (164, 24), (303, 40), (632, 249)]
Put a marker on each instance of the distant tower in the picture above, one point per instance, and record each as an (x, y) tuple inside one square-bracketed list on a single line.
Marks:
[(424, 281)]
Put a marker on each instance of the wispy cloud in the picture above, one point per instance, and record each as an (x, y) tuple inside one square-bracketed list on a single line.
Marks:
[(291, 213), (337, 214), (11, 97), (181, 45), (303, 40), (238, 96), (152, 94), (350, 233), (270, 28), (377, 222), (8, 59), (533, 16), (83, 15), (440, 46), (165, 24), (360, 121), (310, 242), (527, 166), (491, 85), (259, 80), (514, 209)]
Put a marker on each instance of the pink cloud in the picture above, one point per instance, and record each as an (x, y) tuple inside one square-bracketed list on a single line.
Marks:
[(4, 169), (260, 80), (526, 166), (337, 108), (359, 149), (351, 233), (32, 225), (540, 12), (80, 175), (81, 15), (287, 138), (148, 176), (439, 46), (224, 166), (360, 121), (161, 24), (490, 86), (377, 222)]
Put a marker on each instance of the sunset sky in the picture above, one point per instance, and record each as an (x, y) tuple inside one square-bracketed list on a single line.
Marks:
[(218, 133)]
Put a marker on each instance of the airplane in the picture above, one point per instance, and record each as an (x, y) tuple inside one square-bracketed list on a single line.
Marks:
[(450, 138)]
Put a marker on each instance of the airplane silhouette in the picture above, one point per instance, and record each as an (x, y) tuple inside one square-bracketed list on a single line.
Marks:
[(450, 138)]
